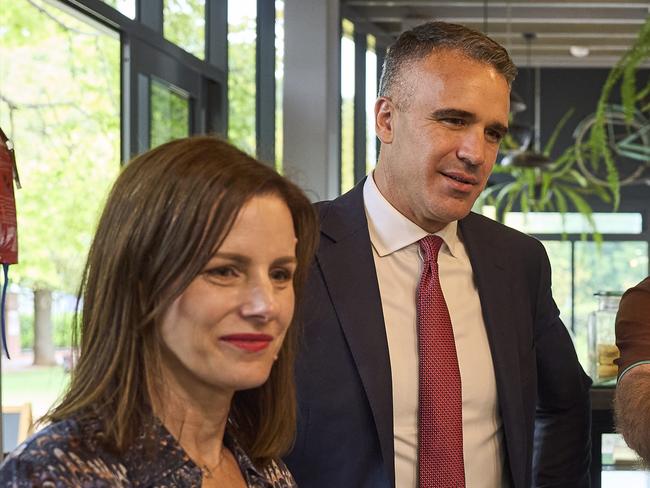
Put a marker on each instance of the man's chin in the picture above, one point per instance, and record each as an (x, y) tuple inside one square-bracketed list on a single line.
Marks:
[(455, 213)]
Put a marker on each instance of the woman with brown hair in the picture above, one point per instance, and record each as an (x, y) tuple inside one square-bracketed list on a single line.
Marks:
[(186, 340)]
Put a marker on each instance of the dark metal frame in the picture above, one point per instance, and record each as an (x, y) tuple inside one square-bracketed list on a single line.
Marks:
[(265, 82), (146, 53), (216, 54), (360, 24), (150, 13), (360, 47), (360, 38)]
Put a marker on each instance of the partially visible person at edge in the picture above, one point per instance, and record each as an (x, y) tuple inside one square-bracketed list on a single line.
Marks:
[(187, 341), (368, 382), (632, 397)]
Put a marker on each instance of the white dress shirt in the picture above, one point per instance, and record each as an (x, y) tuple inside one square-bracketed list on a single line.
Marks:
[(398, 263)]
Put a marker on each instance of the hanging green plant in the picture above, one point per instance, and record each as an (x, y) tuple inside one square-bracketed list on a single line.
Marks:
[(556, 187), (624, 70), (568, 183)]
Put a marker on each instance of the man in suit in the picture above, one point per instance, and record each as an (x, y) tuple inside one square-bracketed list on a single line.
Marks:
[(513, 406)]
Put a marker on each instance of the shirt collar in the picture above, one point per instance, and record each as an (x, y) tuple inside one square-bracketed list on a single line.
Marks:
[(252, 475), (391, 231), (159, 445), (154, 454)]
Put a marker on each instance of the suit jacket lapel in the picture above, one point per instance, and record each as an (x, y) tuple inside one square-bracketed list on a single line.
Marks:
[(494, 289), (346, 260)]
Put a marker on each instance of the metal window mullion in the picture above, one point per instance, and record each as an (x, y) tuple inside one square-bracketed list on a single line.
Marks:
[(216, 33), (265, 82), (143, 142), (128, 101), (360, 46), (150, 13), (216, 54)]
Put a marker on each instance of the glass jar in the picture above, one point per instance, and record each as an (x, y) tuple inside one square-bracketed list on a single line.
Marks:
[(602, 338)]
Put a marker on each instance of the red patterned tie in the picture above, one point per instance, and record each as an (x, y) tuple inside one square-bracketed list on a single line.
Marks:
[(440, 417)]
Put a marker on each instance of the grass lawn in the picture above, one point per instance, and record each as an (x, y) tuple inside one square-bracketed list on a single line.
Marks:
[(38, 385)]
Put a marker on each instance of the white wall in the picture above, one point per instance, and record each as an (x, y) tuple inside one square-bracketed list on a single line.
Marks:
[(311, 128)]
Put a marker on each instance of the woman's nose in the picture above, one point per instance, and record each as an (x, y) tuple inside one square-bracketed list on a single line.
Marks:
[(259, 301)]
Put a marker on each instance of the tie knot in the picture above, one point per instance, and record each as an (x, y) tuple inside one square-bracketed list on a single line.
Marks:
[(430, 245)]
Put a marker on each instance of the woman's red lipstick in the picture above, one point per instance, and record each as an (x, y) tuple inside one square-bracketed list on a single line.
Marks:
[(248, 342)]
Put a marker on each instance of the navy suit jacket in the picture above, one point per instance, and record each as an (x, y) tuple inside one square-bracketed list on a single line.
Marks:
[(345, 417)]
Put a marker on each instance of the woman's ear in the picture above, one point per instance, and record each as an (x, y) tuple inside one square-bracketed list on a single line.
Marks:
[(384, 119)]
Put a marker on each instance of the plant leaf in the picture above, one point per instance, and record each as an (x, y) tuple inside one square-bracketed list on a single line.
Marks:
[(556, 132), (486, 196), (581, 180), (583, 207), (512, 196), (602, 193), (560, 199)]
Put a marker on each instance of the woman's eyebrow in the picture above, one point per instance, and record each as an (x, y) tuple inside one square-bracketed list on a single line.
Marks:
[(232, 256)]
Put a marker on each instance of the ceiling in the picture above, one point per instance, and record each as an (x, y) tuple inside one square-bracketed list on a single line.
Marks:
[(606, 28)]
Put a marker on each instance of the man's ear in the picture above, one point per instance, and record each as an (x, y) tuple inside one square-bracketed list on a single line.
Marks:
[(384, 119)]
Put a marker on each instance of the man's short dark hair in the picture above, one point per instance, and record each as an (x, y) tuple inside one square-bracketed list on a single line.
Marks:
[(417, 43)]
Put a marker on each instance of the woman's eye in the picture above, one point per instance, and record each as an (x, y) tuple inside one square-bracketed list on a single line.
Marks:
[(281, 275), (222, 273)]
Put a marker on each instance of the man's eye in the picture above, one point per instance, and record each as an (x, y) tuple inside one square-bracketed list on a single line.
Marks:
[(494, 136), (454, 121)]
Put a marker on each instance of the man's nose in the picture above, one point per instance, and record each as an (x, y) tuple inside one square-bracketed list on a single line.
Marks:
[(472, 147)]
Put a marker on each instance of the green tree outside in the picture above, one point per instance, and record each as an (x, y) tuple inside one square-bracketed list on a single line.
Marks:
[(184, 25), (59, 102), (241, 84)]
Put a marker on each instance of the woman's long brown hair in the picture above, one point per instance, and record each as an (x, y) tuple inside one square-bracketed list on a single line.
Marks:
[(167, 213)]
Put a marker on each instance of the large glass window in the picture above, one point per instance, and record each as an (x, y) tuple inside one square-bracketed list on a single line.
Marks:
[(184, 24), (242, 37), (60, 104), (582, 268), (347, 106), (611, 266), (574, 223)]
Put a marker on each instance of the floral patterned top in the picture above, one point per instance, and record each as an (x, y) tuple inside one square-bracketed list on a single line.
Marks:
[(71, 454)]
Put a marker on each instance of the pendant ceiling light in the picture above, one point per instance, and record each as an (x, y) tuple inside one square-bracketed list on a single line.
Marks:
[(524, 157)]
